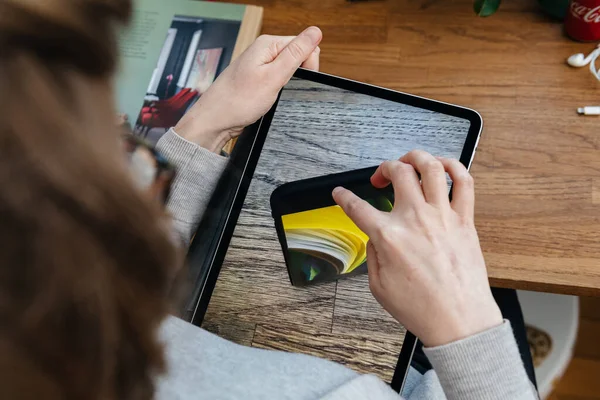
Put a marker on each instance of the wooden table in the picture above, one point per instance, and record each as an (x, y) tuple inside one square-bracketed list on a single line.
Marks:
[(537, 169)]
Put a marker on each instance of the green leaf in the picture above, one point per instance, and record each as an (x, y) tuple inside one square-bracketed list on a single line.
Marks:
[(485, 8)]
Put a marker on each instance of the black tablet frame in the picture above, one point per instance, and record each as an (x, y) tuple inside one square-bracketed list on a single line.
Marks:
[(233, 187)]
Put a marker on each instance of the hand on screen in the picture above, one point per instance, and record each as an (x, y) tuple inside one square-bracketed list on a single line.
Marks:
[(247, 89), (425, 263)]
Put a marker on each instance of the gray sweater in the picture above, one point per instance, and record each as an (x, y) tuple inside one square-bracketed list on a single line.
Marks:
[(203, 366)]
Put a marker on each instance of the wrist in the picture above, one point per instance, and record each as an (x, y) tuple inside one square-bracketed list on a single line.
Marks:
[(464, 325), (199, 129)]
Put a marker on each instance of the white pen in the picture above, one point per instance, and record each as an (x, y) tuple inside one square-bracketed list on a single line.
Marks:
[(589, 110)]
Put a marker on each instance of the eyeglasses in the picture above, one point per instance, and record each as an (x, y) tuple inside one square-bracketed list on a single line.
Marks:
[(151, 172)]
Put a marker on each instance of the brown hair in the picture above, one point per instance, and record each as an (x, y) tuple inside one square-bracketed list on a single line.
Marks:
[(84, 258)]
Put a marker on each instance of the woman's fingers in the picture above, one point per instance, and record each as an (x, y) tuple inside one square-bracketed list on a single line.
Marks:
[(407, 189), (463, 188), (433, 176), (364, 215), (312, 62), (297, 52)]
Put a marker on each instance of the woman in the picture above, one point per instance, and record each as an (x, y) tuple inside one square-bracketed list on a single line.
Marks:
[(88, 259)]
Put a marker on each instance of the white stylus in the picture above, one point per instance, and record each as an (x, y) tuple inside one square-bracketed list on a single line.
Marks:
[(589, 110)]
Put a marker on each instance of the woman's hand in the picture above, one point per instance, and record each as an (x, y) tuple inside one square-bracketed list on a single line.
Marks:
[(247, 89), (425, 263)]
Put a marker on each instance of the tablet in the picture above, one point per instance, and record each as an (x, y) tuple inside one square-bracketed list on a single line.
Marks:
[(320, 125)]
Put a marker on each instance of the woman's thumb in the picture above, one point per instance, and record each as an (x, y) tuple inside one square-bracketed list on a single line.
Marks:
[(297, 51)]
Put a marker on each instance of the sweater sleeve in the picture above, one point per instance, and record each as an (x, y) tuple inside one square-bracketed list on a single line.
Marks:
[(198, 172), (486, 366)]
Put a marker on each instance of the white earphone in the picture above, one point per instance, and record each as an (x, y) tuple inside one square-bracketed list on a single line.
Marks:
[(579, 60)]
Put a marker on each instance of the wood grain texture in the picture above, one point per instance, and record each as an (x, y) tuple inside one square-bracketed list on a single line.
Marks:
[(364, 353), (537, 169)]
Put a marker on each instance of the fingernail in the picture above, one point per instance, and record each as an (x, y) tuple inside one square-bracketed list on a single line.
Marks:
[(337, 190), (313, 33)]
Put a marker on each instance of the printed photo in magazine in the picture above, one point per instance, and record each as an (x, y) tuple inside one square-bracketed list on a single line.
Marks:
[(171, 53), (187, 65)]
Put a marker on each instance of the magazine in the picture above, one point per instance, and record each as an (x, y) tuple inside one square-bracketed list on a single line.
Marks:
[(170, 54)]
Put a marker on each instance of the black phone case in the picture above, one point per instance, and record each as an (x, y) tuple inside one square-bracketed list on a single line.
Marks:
[(308, 194)]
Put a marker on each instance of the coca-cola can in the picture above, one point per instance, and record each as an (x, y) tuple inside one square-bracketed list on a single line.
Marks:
[(583, 20)]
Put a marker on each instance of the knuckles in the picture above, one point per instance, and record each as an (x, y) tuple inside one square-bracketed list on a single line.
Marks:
[(273, 48), (387, 234), (264, 39), (466, 221), (296, 51), (434, 167), (398, 168), (353, 206), (467, 180)]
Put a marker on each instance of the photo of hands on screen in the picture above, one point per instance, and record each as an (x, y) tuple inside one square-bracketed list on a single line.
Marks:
[(324, 244)]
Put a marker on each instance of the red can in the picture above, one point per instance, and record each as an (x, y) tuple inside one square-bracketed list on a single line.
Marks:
[(583, 20)]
